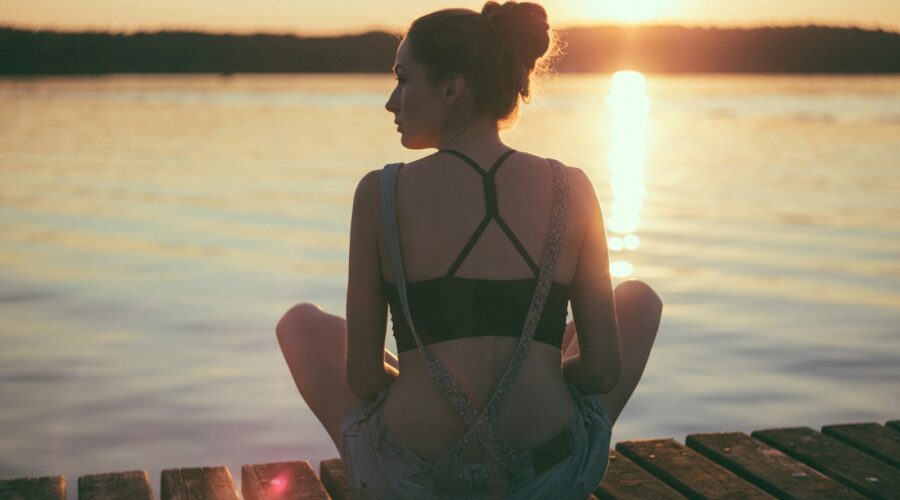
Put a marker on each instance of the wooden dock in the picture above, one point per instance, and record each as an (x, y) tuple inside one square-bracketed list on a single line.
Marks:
[(859, 460)]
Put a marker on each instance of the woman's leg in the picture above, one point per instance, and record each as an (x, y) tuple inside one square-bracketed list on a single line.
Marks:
[(638, 311), (314, 344)]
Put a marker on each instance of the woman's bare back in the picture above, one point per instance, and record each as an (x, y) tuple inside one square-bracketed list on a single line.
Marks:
[(440, 203)]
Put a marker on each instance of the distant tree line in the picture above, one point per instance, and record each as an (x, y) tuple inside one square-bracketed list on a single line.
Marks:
[(654, 49), (677, 49)]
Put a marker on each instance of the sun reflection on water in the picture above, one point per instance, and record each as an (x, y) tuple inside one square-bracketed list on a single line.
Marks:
[(629, 114)]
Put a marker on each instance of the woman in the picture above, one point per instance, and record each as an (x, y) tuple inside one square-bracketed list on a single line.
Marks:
[(493, 393)]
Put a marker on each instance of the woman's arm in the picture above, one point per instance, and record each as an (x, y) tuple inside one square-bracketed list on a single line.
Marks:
[(367, 371), (597, 367)]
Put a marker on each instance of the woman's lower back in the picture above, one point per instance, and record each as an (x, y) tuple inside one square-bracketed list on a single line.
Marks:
[(538, 406)]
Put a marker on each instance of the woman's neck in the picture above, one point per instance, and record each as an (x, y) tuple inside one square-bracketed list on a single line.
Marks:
[(478, 137)]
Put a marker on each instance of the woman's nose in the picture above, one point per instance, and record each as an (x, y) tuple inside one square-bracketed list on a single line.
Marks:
[(391, 104)]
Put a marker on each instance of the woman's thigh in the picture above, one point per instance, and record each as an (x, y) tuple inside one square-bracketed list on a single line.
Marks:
[(314, 345)]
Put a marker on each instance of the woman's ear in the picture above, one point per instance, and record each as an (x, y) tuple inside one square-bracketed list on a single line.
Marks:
[(452, 89)]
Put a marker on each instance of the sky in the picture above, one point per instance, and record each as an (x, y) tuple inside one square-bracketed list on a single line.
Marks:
[(328, 17)]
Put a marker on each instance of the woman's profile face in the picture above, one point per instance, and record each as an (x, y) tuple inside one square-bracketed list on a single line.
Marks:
[(416, 102)]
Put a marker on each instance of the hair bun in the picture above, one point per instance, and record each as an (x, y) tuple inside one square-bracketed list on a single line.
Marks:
[(497, 51), (522, 25)]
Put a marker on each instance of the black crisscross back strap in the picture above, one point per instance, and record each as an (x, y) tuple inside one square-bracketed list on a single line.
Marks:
[(492, 211)]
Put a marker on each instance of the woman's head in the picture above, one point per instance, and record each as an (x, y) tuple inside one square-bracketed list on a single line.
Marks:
[(489, 56)]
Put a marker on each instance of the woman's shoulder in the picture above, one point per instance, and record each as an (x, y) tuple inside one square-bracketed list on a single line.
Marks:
[(368, 185), (580, 186), (582, 194), (575, 174), (366, 197)]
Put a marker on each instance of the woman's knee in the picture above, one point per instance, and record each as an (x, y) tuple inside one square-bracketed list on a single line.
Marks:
[(296, 320), (638, 291), (637, 297)]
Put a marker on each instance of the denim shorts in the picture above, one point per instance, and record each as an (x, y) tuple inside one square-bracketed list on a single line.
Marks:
[(570, 465)]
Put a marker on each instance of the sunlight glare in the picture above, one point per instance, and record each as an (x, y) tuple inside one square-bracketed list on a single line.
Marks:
[(621, 268), (631, 241), (629, 114), (616, 243)]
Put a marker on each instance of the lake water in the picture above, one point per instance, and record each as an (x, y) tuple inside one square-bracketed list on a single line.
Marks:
[(153, 229)]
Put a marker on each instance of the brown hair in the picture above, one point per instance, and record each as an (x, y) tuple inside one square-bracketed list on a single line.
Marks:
[(496, 51)]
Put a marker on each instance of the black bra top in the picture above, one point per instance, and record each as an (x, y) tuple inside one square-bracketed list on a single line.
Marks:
[(451, 307)]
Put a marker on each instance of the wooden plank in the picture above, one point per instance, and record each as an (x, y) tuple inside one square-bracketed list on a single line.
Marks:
[(687, 471), (877, 440), (841, 461), (894, 424), (113, 485), (36, 488), (334, 478), (766, 467), (198, 483), (281, 480), (624, 479)]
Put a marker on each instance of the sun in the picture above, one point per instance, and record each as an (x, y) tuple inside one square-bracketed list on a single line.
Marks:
[(628, 11)]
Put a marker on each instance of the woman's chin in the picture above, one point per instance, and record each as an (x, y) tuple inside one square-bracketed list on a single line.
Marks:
[(410, 143)]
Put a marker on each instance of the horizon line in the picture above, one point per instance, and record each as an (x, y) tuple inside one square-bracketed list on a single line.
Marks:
[(381, 29)]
